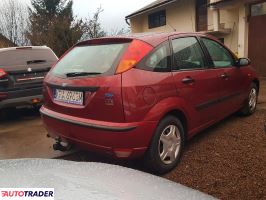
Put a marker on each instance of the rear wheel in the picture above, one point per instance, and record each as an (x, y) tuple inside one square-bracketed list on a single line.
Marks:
[(251, 103), (166, 146)]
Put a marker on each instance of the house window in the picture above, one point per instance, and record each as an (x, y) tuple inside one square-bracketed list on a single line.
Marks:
[(201, 15), (157, 19)]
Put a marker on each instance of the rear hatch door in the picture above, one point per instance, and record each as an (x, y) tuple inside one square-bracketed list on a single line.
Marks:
[(26, 67), (84, 84)]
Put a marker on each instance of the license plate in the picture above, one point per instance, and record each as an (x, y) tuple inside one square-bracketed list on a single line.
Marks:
[(67, 96)]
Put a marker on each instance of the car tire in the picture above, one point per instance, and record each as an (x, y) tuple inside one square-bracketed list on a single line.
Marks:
[(36, 108), (251, 102), (166, 146)]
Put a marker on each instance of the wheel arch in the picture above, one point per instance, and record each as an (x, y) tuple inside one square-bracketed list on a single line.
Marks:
[(182, 117), (171, 106), (257, 83)]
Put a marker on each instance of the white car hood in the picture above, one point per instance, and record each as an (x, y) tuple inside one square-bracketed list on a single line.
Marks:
[(93, 181)]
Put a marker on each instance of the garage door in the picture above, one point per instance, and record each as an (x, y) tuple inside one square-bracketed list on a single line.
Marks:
[(257, 37)]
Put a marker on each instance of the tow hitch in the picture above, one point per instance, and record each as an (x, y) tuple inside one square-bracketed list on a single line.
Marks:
[(62, 146)]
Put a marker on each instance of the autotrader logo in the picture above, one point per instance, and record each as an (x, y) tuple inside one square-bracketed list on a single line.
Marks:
[(27, 193)]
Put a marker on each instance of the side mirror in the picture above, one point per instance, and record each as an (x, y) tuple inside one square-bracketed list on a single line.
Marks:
[(243, 62)]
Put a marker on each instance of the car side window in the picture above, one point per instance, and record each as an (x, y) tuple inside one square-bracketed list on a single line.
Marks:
[(159, 60), (219, 55), (187, 54)]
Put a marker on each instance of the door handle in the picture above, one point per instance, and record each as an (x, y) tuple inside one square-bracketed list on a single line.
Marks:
[(224, 76), (188, 80)]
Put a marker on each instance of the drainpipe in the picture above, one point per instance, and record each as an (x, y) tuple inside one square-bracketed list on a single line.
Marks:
[(216, 18)]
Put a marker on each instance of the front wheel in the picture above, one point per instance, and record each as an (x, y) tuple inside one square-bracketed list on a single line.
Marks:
[(166, 146), (251, 103)]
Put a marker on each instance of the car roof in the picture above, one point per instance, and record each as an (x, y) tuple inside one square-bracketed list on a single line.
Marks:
[(153, 38), (24, 47)]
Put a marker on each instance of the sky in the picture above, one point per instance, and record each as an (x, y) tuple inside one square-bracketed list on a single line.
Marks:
[(113, 16)]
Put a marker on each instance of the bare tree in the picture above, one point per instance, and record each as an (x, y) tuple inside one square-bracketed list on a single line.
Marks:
[(93, 27), (122, 31), (14, 21)]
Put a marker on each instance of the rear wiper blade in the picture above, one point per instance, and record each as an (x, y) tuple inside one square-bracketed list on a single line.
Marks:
[(74, 74), (35, 61)]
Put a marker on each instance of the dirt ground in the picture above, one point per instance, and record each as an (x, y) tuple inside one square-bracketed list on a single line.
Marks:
[(22, 135), (227, 161)]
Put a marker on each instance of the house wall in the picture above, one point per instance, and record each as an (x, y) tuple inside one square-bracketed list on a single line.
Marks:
[(179, 16), (230, 19), (243, 31), (4, 42)]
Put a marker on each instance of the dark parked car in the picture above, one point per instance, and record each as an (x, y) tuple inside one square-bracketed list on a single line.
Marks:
[(144, 95), (22, 70)]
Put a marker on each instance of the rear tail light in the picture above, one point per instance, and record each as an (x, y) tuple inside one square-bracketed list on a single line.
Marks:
[(35, 101), (2, 73), (3, 96), (134, 53)]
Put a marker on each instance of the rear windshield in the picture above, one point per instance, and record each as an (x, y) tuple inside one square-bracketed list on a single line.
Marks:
[(26, 57), (90, 60)]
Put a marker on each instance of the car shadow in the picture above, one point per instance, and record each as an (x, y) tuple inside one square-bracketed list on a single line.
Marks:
[(202, 135), (13, 114), (85, 156)]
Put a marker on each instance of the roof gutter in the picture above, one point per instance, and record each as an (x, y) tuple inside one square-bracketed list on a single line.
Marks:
[(128, 23), (217, 3), (149, 8)]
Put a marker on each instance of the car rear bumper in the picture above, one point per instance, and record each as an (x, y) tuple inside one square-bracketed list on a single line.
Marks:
[(20, 97), (21, 101), (121, 140)]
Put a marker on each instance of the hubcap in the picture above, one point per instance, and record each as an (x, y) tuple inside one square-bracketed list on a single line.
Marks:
[(252, 99), (169, 144)]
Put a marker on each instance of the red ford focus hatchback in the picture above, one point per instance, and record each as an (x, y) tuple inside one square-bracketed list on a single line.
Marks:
[(145, 95)]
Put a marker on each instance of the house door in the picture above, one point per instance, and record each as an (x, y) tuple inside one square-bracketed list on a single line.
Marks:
[(257, 37), (201, 15)]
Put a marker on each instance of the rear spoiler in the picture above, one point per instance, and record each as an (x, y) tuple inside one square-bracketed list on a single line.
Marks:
[(24, 48), (105, 41)]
